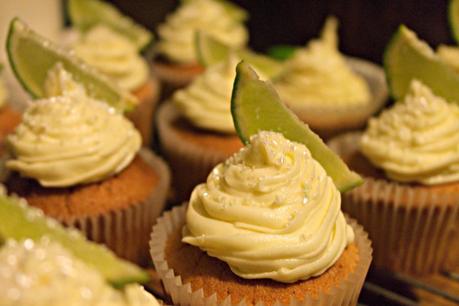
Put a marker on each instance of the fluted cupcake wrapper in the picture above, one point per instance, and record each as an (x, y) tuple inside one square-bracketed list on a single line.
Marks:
[(412, 230), (183, 157), (143, 114), (346, 293), (329, 122)]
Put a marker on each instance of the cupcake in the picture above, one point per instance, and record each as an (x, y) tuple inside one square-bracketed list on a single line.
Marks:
[(410, 159), (116, 56), (80, 161), (9, 118), (328, 91), (176, 63), (265, 229), (43, 273), (196, 129)]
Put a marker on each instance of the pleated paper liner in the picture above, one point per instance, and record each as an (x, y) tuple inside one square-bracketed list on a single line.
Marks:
[(143, 115), (334, 120), (190, 163), (345, 293), (126, 230), (412, 228)]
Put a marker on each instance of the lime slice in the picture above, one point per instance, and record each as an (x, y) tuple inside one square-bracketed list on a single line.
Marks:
[(453, 16), (21, 222), (32, 56), (235, 12), (407, 57), (282, 52), (256, 106), (85, 14), (210, 52)]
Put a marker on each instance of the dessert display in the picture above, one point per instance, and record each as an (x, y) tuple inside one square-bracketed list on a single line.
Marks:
[(111, 42), (177, 63), (328, 91), (408, 156), (266, 227), (41, 263), (80, 160), (9, 118)]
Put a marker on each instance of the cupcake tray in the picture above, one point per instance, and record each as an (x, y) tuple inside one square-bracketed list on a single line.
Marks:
[(383, 288)]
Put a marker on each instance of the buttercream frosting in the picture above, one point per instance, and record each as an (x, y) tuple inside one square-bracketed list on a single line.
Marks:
[(269, 211), (177, 33), (71, 138), (43, 273), (318, 75), (206, 101), (113, 55), (417, 140)]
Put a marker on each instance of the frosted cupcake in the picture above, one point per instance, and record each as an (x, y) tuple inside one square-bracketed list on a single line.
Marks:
[(80, 161), (328, 91), (410, 159), (116, 56), (196, 129), (8, 117), (177, 63), (265, 228)]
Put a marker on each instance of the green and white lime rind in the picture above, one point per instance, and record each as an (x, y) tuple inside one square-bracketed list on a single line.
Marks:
[(453, 17), (407, 58), (282, 52), (210, 52), (31, 56), (256, 106), (85, 14), (19, 222)]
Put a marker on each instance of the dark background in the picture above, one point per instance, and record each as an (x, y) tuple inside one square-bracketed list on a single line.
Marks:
[(365, 25)]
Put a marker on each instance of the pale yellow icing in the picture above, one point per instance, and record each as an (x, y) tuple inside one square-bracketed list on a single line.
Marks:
[(269, 211), (318, 75), (71, 138), (45, 274), (206, 101), (113, 55), (417, 140), (177, 34), (450, 55)]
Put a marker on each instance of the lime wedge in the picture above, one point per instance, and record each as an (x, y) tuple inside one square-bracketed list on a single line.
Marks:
[(235, 12), (453, 17), (210, 52), (282, 52), (31, 56), (85, 14), (256, 106), (21, 222), (407, 57)]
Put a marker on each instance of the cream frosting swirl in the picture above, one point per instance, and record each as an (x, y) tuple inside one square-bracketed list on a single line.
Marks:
[(318, 75), (211, 16), (206, 101), (269, 211), (417, 140), (71, 139), (43, 273), (113, 55)]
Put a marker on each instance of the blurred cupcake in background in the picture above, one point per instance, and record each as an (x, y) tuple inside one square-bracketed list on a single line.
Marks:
[(176, 62), (111, 43), (330, 92), (196, 129), (408, 203), (9, 118)]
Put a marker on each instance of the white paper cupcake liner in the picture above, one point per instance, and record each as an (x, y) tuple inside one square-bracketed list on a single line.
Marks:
[(346, 293), (412, 229), (329, 122), (190, 163)]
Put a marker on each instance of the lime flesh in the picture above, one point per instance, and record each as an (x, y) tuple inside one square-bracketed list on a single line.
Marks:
[(32, 56), (85, 14), (211, 52), (21, 222), (256, 106), (407, 58)]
